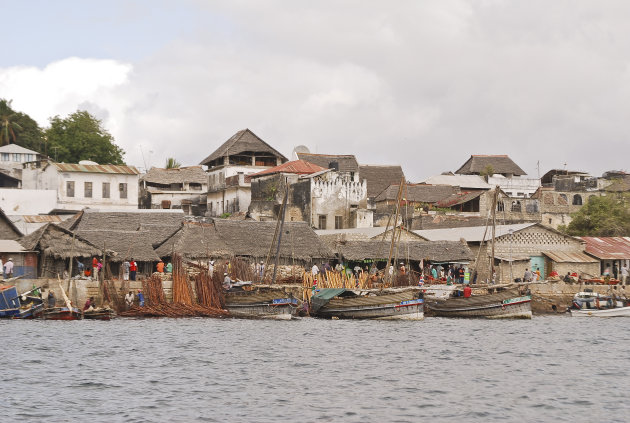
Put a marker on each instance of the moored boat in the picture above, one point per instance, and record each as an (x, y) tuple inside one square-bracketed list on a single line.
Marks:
[(592, 304), (99, 314), (21, 306), (341, 303), (246, 301), (507, 304), (62, 313)]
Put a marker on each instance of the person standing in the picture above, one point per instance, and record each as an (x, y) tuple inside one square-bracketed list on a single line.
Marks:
[(211, 268), (133, 269), (624, 274), (8, 268), (80, 267), (527, 276), (434, 274), (129, 300), (95, 267), (99, 266), (126, 267), (51, 299), (461, 273), (315, 270), (140, 296), (160, 266), (260, 270), (169, 267)]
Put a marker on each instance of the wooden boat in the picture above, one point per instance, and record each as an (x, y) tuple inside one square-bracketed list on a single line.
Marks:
[(591, 304), (21, 306), (245, 300), (62, 313), (508, 304), (99, 314), (341, 303)]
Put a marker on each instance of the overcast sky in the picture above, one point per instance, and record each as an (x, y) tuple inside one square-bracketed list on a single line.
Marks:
[(423, 84)]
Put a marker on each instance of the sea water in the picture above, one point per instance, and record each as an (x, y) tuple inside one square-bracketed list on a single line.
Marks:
[(552, 368)]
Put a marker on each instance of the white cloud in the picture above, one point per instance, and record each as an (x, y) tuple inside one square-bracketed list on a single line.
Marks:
[(422, 84)]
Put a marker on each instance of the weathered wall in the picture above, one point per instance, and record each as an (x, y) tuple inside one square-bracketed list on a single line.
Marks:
[(334, 197)]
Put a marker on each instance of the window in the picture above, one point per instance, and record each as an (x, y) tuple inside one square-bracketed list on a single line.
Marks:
[(516, 206), (17, 157), (87, 189), (105, 189), (5, 157), (322, 221), (29, 157), (500, 206), (70, 188), (577, 200), (338, 222), (122, 189)]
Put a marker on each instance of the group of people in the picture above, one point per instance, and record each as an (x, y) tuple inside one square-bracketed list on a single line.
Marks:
[(532, 276), (160, 267)]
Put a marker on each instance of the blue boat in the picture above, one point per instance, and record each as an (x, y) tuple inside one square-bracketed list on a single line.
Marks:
[(15, 306)]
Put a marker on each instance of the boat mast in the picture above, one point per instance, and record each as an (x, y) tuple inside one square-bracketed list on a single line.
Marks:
[(494, 226), (391, 247)]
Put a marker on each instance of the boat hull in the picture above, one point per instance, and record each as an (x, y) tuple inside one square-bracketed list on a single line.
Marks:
[(492, 306), (398, 306), (262, 311), (62, 313), (99, 315), (607, 312)]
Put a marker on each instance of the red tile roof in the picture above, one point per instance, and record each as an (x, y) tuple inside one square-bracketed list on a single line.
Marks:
[(608, 248), (300, 167)]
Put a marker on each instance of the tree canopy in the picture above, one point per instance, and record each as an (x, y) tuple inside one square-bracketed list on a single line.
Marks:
[(602, 216), (172, 163), (19, 128), (81, 136)]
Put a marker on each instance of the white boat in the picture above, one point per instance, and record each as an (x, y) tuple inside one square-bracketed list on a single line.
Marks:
[(592, 304)]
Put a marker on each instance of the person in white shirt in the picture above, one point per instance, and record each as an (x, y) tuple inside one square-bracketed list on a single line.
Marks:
[(315, 270), (8, 268), (129, 300), (624, 274), (211, 268)]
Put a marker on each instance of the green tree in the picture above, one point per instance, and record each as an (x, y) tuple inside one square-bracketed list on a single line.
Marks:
[(81, 136), (19, 128), (171, 163), (601, 216), (487, 171)]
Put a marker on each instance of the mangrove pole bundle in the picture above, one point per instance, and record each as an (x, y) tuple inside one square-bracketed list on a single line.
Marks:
[(182, 291), (209, 291)]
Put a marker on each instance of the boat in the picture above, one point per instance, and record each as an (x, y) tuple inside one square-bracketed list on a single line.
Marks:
[(342, 303), (507, 304), (245, 300), (21, 306), (592, 304), (99, 314), (62, 313)]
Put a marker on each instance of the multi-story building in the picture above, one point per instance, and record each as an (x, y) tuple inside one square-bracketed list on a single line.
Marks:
[(86, 184), (241, 155)]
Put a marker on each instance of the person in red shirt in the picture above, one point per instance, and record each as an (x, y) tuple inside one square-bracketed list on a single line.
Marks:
[(160, 266), (133, 268), (467, 291)]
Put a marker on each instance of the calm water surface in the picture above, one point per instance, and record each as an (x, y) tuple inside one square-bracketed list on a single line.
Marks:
[(439, 370)]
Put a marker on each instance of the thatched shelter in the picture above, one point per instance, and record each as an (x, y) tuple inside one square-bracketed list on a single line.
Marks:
[(195, 241), (415, 251), (300, 244), (56, 247)]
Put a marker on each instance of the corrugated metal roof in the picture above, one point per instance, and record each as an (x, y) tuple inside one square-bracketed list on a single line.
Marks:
[(462, 181), (470, 233), (41, 218), (11, 246), (565, 257), (74, 167), (611, 248)]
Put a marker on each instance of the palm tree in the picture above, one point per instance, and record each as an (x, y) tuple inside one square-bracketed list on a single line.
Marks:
[(171, 163), (7, 126)]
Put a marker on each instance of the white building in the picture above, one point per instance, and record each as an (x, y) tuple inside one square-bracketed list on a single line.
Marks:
[(86, 184), (242, 155), (183, 188), (12, 156)]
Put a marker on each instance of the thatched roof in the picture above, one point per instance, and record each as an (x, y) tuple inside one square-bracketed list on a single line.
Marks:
[(418, 250), (380, 177), (125, 244), (181, 175), (157, 225), (244, 141), (501, 164), (252, 238), (194, 241), (345, 162), (418, 193), (58, 242)]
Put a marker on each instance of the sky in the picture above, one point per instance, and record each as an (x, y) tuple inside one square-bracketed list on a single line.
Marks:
[(422, 84)]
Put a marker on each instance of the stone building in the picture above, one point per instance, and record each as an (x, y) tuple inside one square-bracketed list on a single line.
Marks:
[(324, 198), (183, 188), (229, 191), (86, 184), (524, 245)]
